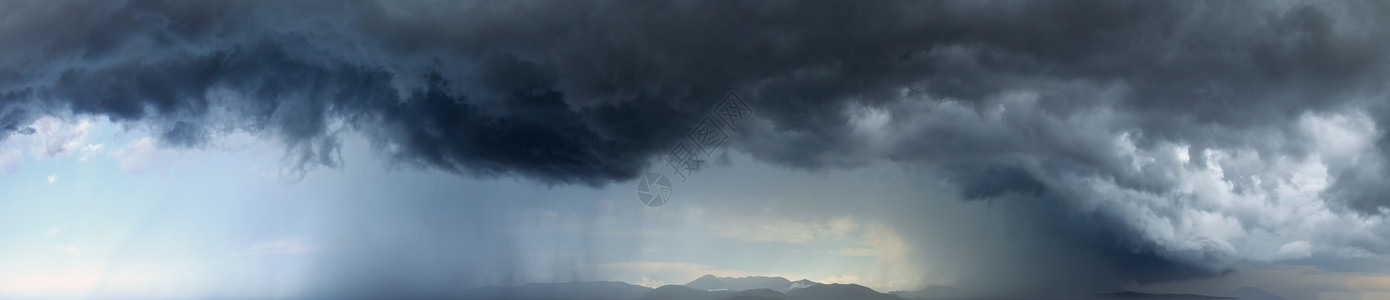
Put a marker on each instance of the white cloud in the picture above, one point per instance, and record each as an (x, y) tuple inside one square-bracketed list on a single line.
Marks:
[(89, 150), (59, 137), (648, 282), (52, 137), (1294, 250), (52, 178), (1224, 205), (1203, 204)]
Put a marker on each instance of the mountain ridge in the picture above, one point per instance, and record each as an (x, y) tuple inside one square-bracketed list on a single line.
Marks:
[(780, 289), (1138, 295), (710, 282)]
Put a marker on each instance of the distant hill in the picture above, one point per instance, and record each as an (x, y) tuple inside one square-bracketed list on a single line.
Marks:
[(586, 290), (837, 291), (1253, 293), (930, 292), (1138, 295), (681, 292), (711, 282), (758, 294), (715, 288)]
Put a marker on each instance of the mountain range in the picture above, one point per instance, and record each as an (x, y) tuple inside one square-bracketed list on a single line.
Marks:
[(1138, 295), (710, 287), (710, 282)]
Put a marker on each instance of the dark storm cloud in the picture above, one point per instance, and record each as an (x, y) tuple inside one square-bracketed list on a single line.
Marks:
[(1012, 101)]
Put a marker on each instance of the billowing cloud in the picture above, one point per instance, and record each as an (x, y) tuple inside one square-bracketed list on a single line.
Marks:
[(1168, 140)]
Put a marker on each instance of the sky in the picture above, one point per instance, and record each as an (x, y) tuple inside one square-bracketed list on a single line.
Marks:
[(338, 149)]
